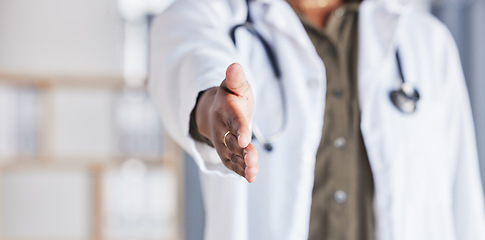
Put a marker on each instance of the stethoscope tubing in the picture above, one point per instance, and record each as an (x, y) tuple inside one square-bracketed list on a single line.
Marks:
[(404, 98), (267, 141)]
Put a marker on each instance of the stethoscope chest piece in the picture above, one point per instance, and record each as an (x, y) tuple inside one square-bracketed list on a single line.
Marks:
[(405, 98)]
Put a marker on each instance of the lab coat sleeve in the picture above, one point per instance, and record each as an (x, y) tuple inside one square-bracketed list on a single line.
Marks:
[(190, 51), (468, 202)]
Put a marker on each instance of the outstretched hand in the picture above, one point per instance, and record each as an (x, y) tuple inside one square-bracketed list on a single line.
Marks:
[(223, 114)]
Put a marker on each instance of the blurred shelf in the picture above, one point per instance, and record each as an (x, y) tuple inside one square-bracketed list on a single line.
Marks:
[(98, 174), (79, 162), (71, 81), (96, 96)]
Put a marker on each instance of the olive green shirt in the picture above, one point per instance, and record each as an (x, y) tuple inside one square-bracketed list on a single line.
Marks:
[(343, 188)]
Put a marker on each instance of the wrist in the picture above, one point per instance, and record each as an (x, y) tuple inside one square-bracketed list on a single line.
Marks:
[(202, 109)]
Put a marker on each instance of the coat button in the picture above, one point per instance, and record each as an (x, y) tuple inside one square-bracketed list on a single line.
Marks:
[(340, 196), (339, 143), (337, 93), (331, 51), (340, 12)]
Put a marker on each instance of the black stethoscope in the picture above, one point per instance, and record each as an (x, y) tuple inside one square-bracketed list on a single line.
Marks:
[(266, 141), (404, 98)]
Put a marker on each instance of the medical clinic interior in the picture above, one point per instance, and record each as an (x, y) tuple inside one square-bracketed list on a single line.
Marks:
[(83, 152)]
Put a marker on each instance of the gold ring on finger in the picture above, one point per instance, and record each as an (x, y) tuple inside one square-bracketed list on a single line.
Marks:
[(224, 139)]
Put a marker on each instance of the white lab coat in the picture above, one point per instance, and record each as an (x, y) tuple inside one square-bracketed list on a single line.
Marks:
[(424, 165)]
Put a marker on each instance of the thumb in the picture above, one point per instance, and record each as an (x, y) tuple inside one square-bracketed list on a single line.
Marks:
[(236, 80), (236, 83)]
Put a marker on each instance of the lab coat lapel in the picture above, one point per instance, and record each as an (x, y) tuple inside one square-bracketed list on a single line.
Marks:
[(379, 36), (378, 32)]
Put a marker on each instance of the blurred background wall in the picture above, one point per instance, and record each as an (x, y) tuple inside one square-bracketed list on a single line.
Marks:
[(82, 152)]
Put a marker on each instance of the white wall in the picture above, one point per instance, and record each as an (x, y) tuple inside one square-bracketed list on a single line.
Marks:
[(61, 37)]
